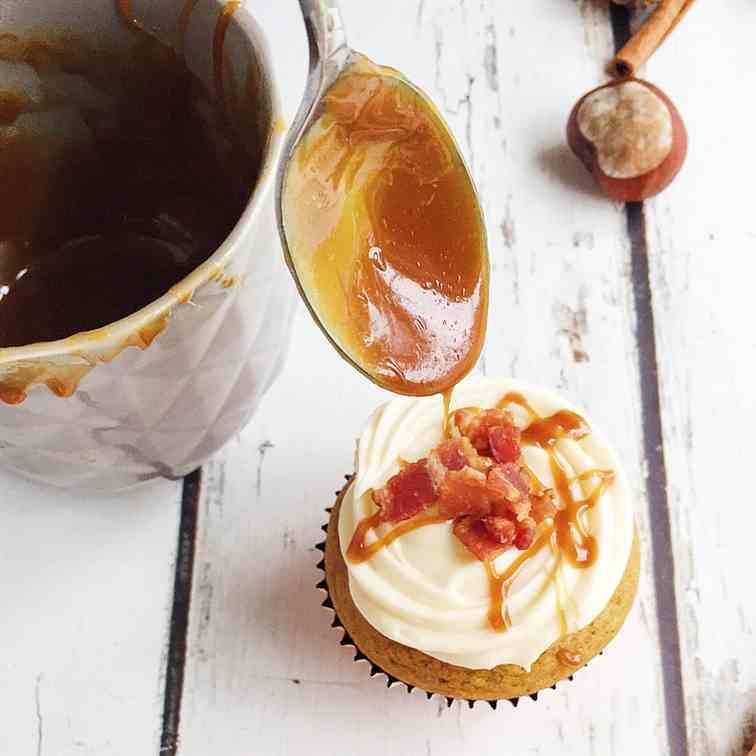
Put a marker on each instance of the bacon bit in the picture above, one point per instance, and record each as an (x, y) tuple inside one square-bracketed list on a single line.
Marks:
[(476, 539), (501, 486), (455, 454), (477, 428), (477, 478), (452, 454), (525, 534), (406, 494), (436, 470), (501, 529), (542, 505), (463, 492), (516, 477), (382, 498), (509, 490), (515, 509), (504, 441)]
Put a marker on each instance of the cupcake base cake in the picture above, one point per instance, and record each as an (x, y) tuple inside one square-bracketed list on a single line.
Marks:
[(507, 681), (484, 549)]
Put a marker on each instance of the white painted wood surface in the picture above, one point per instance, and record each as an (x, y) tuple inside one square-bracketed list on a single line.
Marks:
[(702, 238), (86, 582), (86, 590)]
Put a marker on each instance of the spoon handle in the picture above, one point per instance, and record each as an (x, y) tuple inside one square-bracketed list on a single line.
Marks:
[(329, 54), (325, 30)]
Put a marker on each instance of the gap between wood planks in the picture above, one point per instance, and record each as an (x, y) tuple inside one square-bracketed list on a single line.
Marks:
[(182, 594), (656, 472)]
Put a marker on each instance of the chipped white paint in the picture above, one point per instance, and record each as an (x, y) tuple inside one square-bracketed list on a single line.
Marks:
[(702, 238), (86, 593)]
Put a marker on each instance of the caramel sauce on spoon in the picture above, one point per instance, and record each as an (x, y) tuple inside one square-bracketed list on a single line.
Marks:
[(386, 235)]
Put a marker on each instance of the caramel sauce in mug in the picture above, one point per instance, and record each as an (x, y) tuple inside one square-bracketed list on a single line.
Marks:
[(386, 235), (116, 195)]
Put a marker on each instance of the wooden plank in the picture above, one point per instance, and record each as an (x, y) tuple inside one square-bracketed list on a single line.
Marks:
[(701, 239), (265, 673), (86, 587)]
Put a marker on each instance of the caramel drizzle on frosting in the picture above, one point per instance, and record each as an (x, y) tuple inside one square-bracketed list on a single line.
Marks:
[(566, 533), (500, 583), (360, 551)]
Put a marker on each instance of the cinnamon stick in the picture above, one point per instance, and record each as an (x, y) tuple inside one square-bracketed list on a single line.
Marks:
[(655, 29)]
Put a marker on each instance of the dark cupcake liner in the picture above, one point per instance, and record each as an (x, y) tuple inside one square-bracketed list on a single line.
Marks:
[(375, 670)]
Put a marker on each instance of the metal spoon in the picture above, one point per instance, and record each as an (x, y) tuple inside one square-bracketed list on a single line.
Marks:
[(330, 56)]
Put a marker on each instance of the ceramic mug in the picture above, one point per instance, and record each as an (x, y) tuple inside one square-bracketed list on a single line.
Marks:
[(158, 392)]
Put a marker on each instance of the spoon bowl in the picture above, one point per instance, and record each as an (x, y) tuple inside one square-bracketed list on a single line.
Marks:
[(379, 220)]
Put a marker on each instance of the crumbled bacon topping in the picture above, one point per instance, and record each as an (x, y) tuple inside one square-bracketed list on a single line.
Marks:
[(477, 539), (452, 454), (477, 478), (542, 505), (504, 441), (501, 529), (406, 494), (464, 492)]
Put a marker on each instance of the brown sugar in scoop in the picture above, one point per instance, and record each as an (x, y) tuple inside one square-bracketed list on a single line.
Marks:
[(631, 138)]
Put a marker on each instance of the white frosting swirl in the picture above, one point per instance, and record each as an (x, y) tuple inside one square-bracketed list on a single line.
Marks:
[(427, 591)]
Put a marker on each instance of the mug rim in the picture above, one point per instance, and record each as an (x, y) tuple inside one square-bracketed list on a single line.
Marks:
[(117, 332)]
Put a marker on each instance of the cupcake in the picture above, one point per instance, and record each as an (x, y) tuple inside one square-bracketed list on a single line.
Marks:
[(485, 550)]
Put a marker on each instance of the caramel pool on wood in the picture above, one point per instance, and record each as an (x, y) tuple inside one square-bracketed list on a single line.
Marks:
[(386, 235)]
